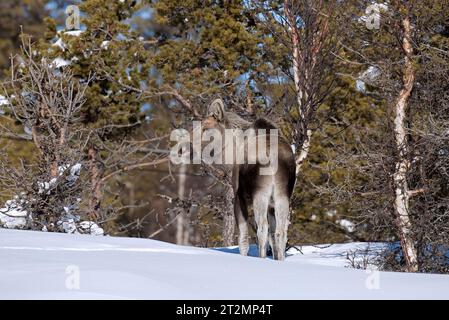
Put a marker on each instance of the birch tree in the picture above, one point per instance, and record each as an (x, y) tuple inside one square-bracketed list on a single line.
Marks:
[(307, 32), (402, 192)]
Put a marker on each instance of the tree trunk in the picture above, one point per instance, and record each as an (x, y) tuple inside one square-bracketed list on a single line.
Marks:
[(228, 228), (249, 98), (95, 179), (228, 217), (402, 194), (182, 225), (302, 155), (306, 134), (54, 172)]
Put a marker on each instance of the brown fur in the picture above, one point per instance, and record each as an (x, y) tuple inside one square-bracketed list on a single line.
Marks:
[(268, 194)]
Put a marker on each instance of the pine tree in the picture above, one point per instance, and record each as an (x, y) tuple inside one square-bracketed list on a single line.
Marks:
[(108, 54), (17, 16), (206, 48)]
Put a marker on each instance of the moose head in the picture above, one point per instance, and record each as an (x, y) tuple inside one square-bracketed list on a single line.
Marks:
[(215, 115)]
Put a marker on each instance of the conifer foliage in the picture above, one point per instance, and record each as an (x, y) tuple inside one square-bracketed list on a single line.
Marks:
[(358, 88)]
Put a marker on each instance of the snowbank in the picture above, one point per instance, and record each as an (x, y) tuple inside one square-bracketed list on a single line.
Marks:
[(40, 265)]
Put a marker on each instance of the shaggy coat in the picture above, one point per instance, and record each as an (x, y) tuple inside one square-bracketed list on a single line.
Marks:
[(269, 195)]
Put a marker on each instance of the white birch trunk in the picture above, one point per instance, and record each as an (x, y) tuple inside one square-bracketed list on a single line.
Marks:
[(402, 194), (304, 146)]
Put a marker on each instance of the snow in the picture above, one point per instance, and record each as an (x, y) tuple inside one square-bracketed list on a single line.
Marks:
[(72, 177), (105, 45), (74, 172), (42, 265), (74, 33), (360, 86), (374, 9), (368, 76), (3, 100), (72, 224), (60, 62), (45, 186), (12, 214), (348, 225), (60, 43), (92, 228), (331, 213)]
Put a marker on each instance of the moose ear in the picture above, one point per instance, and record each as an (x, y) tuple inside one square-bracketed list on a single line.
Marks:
[(216, 109)]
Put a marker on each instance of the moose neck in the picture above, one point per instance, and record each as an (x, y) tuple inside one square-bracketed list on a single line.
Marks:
[(234, 121)]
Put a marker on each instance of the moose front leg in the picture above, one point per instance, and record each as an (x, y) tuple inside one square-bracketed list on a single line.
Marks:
[(241, 216)]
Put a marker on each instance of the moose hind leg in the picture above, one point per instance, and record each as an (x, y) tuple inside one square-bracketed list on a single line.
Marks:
[(260, 207), (271, 228), (282, 213)]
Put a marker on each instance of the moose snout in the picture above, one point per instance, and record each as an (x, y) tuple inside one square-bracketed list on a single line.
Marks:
[(209, 123)]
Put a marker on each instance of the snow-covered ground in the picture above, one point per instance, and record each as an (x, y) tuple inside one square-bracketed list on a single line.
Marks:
[(41, 265)]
